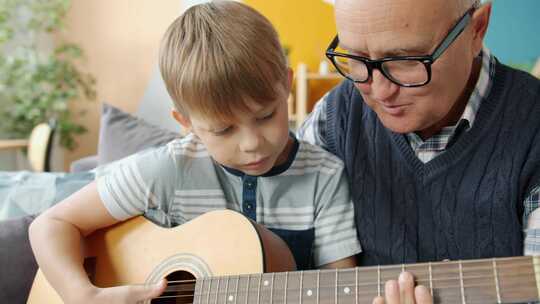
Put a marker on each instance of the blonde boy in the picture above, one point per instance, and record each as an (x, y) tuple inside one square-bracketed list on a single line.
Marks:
[(225, 70)]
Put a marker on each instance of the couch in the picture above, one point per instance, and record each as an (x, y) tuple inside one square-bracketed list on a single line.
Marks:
[(152, 125)]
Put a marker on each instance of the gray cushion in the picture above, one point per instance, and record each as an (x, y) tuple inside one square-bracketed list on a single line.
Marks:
[(17, 264), (156, 104), (122, 134), (84, 164)]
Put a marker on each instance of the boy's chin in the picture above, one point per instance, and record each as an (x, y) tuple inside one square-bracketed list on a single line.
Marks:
[(254, 172), (258, 170)]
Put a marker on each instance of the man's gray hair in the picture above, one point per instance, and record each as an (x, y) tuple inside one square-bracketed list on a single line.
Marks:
[(466, 4)]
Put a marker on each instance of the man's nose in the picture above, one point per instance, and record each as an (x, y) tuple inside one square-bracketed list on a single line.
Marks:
[(382, 88)]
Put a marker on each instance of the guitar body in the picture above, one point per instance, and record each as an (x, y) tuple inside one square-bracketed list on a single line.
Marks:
[(137, 251)]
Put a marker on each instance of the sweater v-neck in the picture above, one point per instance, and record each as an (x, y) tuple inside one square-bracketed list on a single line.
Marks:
[(485, 117)]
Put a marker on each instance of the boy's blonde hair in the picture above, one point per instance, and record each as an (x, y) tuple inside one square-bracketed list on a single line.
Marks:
[(218, 56)]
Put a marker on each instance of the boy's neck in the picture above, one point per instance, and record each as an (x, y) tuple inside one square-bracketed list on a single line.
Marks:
[(284, 156)]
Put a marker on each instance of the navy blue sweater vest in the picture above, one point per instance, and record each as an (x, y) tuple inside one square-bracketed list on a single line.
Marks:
[(466, 203)]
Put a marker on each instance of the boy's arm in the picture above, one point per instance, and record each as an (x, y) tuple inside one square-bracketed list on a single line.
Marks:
[(57, 240), (343, 263)]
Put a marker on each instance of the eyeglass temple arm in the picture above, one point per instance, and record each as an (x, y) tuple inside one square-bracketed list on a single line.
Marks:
[(453, 35)]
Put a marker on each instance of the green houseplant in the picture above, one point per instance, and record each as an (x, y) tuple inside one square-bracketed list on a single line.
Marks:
[(38, 82)]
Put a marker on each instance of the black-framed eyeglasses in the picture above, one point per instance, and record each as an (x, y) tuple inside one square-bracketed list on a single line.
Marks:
[(405, 71)]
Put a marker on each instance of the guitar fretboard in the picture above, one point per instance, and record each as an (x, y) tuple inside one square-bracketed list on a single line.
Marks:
[(505, 280)]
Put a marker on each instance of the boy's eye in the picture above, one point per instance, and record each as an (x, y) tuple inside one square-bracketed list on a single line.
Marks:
[(267, 116), (222, 131)]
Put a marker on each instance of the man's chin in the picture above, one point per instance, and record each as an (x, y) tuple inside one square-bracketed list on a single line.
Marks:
[(398, 126)]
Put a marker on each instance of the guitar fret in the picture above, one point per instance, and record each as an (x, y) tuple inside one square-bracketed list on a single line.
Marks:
[(236, 290), (286, 279), (336, 295), (318, 285), (247, 288), (209, 290), (430, 279), (201, 288), (259, 290), (226, 290), (301, 285), (461, 282), (217, 290), (272, 288), (379, 281), (496, 276), (356, 285)]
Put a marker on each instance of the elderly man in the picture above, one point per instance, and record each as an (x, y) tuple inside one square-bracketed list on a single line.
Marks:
[(441, 141)]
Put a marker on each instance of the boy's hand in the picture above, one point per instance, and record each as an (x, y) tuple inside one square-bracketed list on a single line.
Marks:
[(403, 291), (131, 294)]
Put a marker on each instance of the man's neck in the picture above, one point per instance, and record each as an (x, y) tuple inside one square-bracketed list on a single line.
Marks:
[(457, 110)]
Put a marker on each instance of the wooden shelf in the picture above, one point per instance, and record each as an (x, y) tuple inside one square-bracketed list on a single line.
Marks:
[(302, 90), (6, 144)]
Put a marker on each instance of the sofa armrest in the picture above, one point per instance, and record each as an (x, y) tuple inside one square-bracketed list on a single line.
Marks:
[(84, 164), (17, 263)]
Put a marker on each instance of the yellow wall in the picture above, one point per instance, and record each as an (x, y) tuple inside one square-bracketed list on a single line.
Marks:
[(120, 39), (306, 26)]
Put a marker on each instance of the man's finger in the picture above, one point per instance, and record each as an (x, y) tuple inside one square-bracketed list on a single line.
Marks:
[(423, 296), (378, 300), (406, 288), (391, 290)]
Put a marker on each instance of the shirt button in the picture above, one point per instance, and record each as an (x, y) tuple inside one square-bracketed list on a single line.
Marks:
[(249, 185), (249, 206)]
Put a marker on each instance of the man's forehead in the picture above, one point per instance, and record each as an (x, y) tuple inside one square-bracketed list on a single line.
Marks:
[(394, 24)]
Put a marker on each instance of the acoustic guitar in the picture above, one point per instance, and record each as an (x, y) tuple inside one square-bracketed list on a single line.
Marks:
[(222, 257)]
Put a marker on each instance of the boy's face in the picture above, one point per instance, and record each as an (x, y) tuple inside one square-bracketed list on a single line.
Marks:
[(254, 143)]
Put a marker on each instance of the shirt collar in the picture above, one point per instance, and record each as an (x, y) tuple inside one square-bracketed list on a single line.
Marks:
[(482, 88)]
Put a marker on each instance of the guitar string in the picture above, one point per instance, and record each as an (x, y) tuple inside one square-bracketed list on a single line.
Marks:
[(397, 268), (364, 295), (369, 300), (370, 285), (174, 286)]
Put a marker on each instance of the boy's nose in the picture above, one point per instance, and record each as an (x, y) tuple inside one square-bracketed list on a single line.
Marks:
[(250, 141)]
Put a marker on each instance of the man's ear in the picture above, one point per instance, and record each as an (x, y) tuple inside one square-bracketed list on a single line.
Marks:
[(181, 119), (480, 24)]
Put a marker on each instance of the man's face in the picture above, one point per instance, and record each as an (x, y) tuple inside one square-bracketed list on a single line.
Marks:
[(254, 142), (383, 28)]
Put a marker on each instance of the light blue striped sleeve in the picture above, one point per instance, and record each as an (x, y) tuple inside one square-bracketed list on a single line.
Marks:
[(335, 228), (140, 184)]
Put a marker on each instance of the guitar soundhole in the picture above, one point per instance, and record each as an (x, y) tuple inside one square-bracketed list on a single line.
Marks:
[(180, 289)]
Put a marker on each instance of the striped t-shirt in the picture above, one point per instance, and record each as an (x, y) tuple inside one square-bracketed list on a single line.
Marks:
[(177, 182)]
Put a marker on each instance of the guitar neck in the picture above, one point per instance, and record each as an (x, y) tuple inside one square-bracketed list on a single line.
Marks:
[(502, 280)]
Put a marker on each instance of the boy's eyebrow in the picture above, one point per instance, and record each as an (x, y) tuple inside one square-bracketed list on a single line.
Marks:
[(271, 106)]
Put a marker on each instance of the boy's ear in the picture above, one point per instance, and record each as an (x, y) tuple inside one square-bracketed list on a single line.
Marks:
[(181, 119)]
